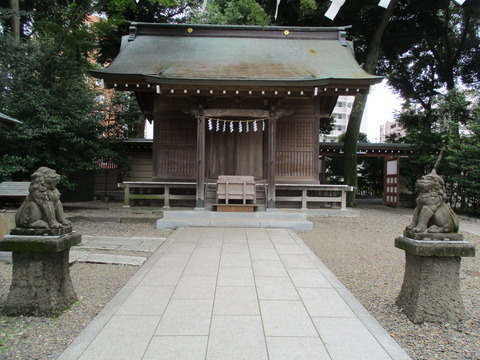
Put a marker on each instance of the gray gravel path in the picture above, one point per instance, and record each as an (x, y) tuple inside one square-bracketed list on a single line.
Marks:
[(359, 250)]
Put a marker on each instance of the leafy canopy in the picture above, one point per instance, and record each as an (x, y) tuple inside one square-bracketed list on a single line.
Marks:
[(49, 93)]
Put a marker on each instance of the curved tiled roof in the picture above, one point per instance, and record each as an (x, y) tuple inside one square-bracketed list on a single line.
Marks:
[(209, 54)]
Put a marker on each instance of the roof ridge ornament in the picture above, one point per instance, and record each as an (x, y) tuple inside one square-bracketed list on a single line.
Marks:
[(342, 37), (132, 31)]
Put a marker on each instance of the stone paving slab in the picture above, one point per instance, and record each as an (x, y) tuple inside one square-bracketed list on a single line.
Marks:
[(145, 244), (235, 307), (112, 259), (6, 256)]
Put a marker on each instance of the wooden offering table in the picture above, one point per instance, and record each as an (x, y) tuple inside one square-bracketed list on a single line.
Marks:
[(236, 188)]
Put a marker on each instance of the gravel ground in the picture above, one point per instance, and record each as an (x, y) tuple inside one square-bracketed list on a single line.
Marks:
[(359, 250), (36, 338)]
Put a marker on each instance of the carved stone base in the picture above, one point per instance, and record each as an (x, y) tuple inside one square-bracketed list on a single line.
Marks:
[(42, 232), (433, 236), (431, 285), (41, 284)]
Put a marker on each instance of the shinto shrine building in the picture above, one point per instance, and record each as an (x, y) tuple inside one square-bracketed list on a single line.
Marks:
[(236, 100)]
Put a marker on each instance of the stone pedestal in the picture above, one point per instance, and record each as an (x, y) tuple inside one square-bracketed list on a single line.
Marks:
[(431, 285), (41, 284)]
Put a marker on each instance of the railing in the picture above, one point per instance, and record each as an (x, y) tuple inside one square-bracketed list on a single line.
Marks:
[(142, 190), (330, 194), (303, 193)]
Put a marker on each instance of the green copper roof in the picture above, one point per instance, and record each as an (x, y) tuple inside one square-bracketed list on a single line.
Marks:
[(209, 54), (8, 120)]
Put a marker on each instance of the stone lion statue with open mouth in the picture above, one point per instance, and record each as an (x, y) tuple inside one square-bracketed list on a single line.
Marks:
[(432, 214), (42, 207)]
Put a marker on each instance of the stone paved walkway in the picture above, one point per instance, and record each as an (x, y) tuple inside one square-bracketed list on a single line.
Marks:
[(218, 293)]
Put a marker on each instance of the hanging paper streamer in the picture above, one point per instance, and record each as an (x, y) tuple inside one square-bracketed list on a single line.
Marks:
[(215, 124), (276, 9), (334, 8), (384, 3)]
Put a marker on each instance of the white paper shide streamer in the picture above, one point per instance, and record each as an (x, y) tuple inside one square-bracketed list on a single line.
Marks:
[(384, 3), (241, 126), (334, 9)]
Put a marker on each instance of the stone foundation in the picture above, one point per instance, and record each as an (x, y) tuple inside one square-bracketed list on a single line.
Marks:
[(431, 285), (41, 284)]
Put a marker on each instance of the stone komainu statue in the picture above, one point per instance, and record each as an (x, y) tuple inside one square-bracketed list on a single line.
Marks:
[(432, 214), (42, 207)]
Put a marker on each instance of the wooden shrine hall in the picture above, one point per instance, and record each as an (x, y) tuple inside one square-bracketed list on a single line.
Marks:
[(236, 101)]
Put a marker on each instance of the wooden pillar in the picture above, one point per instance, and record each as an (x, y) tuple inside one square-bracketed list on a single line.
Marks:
[(271, 159), (200, 198)]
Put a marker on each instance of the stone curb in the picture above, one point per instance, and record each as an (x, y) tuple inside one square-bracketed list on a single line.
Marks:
[(115, 219)]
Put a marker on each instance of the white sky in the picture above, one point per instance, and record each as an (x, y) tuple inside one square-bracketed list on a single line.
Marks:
[(381, 107)]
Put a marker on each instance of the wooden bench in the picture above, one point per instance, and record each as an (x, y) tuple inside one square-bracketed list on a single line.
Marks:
[(14, 189), (331, 194), (142, 190)]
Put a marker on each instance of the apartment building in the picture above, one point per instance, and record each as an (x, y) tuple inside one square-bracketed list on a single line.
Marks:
[(340, 114), (390, 128)]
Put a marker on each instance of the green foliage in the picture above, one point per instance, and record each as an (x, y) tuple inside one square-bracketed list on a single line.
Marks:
[(46, 90), (120, 13), (451, 128), (370, 170), (123, 114), (435, 48), (461, 165), (233, 12), (64, 21), (362, 137), (326, 125)]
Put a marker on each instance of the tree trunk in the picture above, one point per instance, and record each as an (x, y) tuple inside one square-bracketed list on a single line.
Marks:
[(354, 122), (15, 19)]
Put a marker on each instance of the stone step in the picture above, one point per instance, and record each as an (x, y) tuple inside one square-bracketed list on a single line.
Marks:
[(257, 215), (174, 219)]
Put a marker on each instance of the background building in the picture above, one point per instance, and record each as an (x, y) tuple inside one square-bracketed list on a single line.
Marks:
[(390, 128), (341, 115)]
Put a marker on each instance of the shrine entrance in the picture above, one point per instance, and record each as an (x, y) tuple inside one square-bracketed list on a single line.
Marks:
[(391, 153), (235, 153)]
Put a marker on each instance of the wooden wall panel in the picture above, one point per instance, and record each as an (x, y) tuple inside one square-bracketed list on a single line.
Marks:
[(106, 181), (297, 149), (140, 167), (174, 149), (295, 164)]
